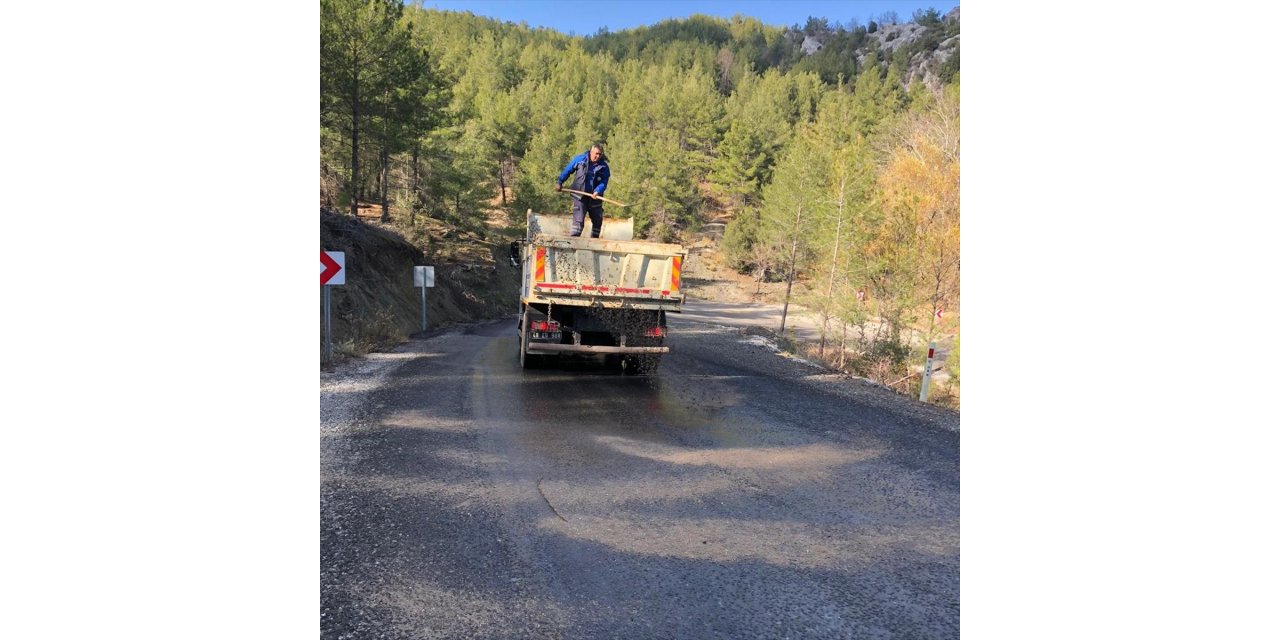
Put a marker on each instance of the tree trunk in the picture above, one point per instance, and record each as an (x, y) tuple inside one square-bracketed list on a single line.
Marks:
[(791, 272), (413, 186), (835, 253), (937, 289), (502, 180), (382, 179), (933, 316), (355, 154), (844, 341)]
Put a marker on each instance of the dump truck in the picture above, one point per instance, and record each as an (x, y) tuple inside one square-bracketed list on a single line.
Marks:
[(588, 296)]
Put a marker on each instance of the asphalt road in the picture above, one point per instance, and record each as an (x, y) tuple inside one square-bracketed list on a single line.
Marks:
[(736, 493)]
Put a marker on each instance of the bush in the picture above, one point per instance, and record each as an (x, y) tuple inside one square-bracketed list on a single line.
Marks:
[(951, 68), (891, 350), (369, 333), (739, 241), (926, 17), (953, 362)]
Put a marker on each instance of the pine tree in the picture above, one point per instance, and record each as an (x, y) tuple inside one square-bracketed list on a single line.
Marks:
[(360, 46), (412, 104), (740, 162), (760, 113), (847, 190), (741, 236), (662, 145), (649, 176), (789, 203)]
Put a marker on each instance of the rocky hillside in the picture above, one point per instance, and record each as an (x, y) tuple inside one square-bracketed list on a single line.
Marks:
[(925, 61), (927, 51), (924, 46)]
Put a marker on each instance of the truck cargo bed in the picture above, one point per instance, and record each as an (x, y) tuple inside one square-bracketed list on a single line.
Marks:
[(607, 295)]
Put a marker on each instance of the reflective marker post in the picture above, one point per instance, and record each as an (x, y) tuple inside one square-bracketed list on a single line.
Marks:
[(424, 277), (328, 329), (333, 272), (928, 371)]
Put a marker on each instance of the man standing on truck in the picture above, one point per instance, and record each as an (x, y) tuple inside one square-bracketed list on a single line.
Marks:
[(590, 171)]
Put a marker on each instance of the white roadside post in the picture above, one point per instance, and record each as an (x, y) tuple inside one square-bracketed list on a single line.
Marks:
[(333, 271), (424, 277), (928, 371)]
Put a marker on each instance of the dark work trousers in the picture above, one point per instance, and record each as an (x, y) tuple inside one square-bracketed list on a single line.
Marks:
[(583, 206)]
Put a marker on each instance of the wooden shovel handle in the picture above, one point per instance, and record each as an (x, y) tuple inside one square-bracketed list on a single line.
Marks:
[(592, 195)]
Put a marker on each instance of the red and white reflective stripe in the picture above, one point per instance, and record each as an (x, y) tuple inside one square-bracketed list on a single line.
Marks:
[(675, 274), (928, 372), (540, 265), (601, 288)]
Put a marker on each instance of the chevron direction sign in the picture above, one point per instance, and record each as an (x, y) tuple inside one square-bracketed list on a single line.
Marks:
[(333, 270)]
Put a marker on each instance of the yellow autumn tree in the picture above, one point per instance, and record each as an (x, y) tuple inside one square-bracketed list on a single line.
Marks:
[(919, 239)]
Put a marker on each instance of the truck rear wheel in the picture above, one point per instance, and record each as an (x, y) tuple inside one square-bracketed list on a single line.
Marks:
[(644, 364), (648, 364), (613, 362), (526, 360)]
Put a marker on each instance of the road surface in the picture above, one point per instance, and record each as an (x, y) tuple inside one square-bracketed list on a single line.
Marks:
[(735, 493)]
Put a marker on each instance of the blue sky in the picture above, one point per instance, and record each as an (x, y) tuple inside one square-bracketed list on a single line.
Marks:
[(584, 17)]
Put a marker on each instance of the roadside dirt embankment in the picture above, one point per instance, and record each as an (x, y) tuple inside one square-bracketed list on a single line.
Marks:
[(379, 307)]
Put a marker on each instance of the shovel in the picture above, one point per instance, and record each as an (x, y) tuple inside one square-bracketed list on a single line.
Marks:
[(592, 195)]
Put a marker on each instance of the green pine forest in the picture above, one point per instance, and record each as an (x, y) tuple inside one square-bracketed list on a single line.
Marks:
[(831, 169)]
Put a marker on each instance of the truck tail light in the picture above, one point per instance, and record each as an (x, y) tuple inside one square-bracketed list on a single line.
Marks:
[(655, 332), (545, 325)]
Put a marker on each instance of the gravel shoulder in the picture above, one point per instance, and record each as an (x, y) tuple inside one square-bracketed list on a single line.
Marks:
[(768, 359)]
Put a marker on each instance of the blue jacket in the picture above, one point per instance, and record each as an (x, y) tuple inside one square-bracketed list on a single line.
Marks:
[(587, 175)]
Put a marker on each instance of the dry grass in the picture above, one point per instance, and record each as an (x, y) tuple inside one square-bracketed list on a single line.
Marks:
[(376, 331)]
